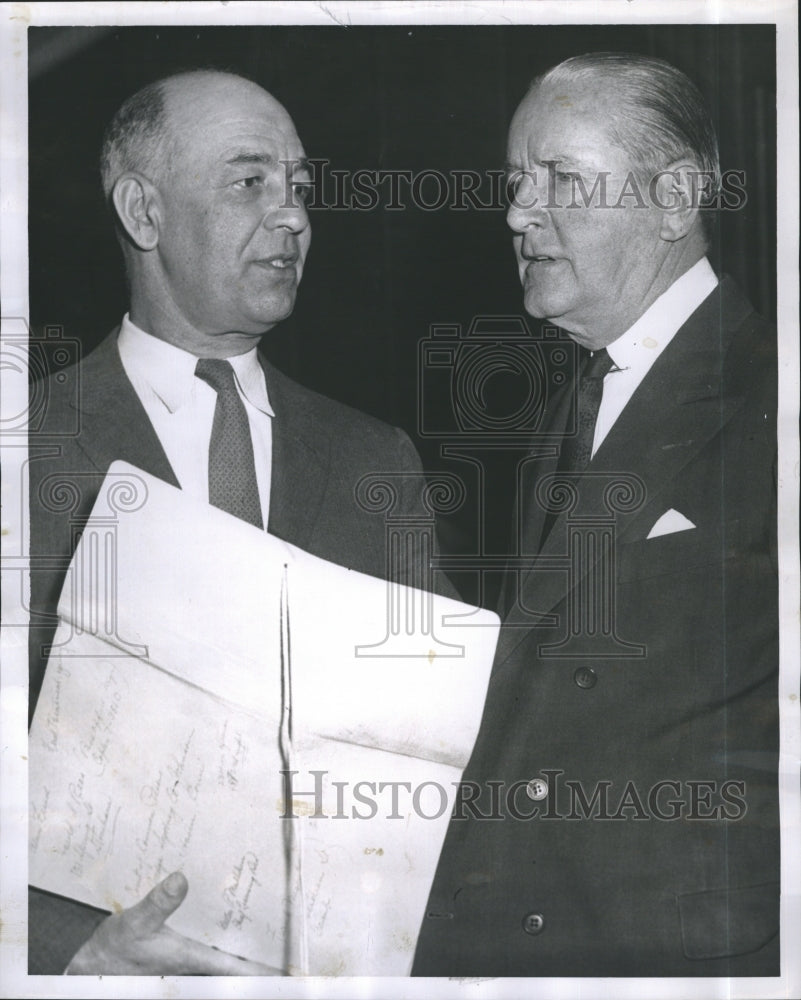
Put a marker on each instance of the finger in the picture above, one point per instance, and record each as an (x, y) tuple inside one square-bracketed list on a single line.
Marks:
[(198, 959), (165, 953), (148, 915)]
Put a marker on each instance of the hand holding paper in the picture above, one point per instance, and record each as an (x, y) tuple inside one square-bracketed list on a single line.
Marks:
[(136, 942), (302, 783)]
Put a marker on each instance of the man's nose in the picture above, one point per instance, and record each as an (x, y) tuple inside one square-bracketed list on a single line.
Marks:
[(288, 213), (527, 202), (294, 218)]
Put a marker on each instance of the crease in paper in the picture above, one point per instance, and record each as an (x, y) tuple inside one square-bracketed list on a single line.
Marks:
[(136, 771)]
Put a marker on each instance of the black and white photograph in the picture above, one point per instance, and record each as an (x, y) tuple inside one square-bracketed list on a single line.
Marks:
[(400, 447)]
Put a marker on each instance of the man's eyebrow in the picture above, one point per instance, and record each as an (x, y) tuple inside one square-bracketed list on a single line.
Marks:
[(243, 156), (563, 159), (570, 160)]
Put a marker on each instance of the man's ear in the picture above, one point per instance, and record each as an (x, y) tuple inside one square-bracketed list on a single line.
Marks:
[(678, 191), (138, 207)]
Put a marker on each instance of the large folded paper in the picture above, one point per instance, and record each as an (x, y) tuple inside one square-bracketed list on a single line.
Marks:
[(224, 703)]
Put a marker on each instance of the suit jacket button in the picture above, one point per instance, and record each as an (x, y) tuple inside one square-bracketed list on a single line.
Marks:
[(585, 677), (537, 789), (533, 923)]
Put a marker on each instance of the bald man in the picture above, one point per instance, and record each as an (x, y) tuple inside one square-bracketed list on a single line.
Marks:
[(206, 176)]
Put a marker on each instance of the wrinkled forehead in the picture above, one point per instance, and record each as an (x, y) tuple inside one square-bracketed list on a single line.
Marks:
[(562, 116), (206, 116)]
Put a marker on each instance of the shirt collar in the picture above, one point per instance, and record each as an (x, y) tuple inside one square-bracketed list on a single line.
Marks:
[(643, 342), (252, 383), (169, 371)]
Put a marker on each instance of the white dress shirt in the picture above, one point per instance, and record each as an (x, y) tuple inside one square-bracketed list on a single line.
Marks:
[(181, 407), (637, 349)]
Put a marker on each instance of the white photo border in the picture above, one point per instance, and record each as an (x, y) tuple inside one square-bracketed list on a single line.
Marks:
[(16, 18)]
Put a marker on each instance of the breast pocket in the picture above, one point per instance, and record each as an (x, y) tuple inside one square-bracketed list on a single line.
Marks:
[(680, 551)]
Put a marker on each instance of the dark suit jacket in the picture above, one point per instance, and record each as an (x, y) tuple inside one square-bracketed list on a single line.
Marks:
[(655, 850), (321, 449)]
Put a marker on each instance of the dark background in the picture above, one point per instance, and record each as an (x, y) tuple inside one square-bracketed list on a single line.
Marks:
[(377, 98)]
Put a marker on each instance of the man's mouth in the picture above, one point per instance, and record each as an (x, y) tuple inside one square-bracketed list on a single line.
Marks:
[(540, 258), (279, 261)]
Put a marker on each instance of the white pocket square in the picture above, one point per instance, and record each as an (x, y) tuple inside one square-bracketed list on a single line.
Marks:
[(669, 523)]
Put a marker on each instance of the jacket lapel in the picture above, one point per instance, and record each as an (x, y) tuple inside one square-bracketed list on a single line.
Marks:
[(114, 426), (301, 460), (113, 423), (677, 409), (682, 403)]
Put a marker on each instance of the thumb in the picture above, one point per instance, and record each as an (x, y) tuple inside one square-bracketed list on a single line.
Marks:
[(148, 915)]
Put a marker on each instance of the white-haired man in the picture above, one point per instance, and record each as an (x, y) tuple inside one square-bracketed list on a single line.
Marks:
[(620, 812)]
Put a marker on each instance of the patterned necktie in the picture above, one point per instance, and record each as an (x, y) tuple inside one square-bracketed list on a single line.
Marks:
[(577, 450), (232, 471)]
